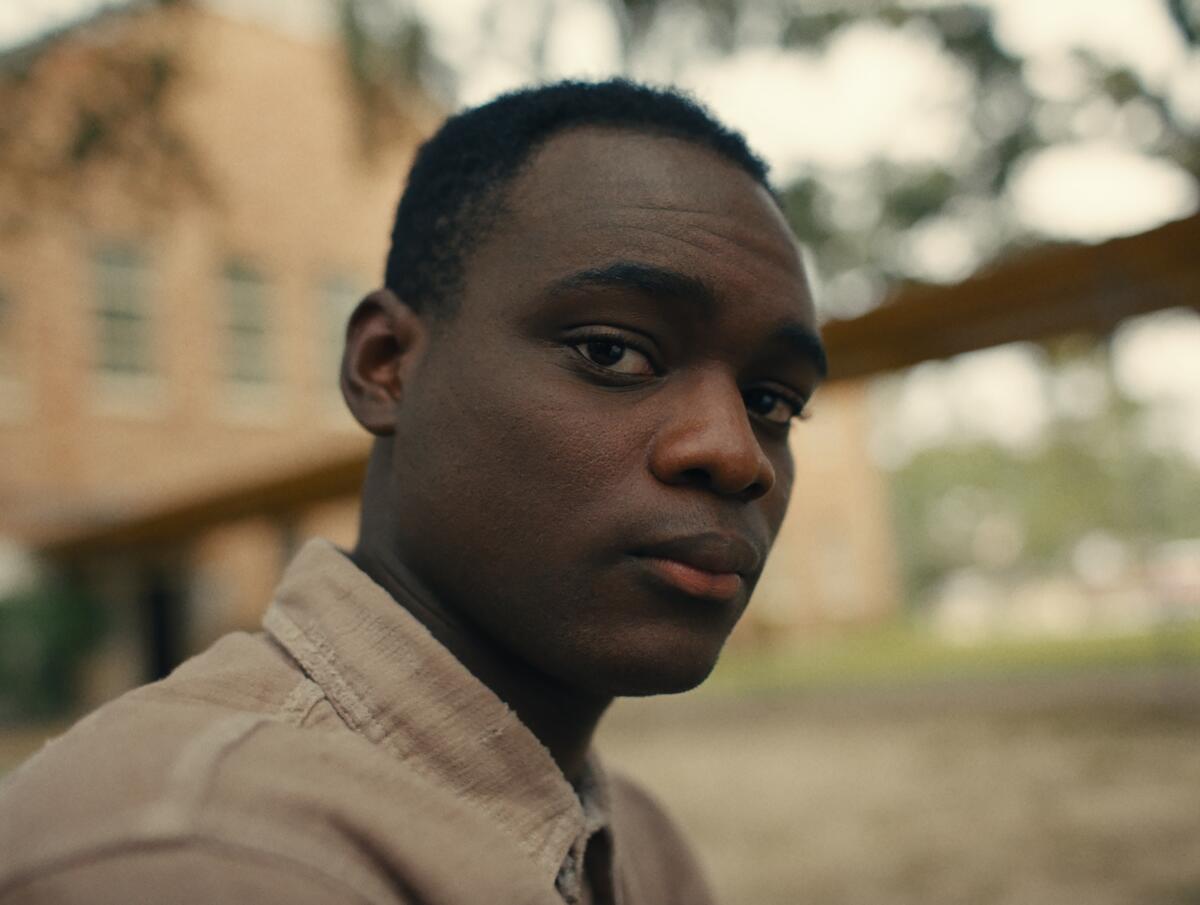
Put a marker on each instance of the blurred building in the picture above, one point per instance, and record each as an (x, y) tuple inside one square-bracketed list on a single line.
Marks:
[(157, 344), (834, 564), (170, 330)]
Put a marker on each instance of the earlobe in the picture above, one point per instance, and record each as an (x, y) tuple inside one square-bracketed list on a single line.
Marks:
[(384, 339)]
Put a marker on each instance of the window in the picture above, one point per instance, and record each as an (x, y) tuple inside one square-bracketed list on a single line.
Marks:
[(14, 393), (246, 322), (123, 321), (339, 295), (7, 340)]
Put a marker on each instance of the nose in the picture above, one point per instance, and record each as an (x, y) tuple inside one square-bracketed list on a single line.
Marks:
[(708, 441)]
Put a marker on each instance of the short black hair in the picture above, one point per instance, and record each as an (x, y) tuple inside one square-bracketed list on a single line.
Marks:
[(455, 190)]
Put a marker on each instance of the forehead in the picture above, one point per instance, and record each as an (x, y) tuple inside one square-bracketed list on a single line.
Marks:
[(592, 197)]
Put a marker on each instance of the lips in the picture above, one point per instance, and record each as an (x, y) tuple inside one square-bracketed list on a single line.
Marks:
[(710, 552), (710, 565)]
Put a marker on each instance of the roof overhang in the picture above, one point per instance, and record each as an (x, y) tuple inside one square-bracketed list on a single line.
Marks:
[(1040, 293)]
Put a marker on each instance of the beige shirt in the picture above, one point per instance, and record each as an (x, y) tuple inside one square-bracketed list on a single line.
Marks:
[(342, 756)]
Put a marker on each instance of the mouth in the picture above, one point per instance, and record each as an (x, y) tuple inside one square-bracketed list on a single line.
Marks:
[(721, 586), (710, 566)]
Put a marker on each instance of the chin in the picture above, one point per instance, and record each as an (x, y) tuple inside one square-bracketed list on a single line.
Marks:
[(646, 686), (642, 657), (652, 673)]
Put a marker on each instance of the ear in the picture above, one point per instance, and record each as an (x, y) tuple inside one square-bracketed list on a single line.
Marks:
[(384, 340)]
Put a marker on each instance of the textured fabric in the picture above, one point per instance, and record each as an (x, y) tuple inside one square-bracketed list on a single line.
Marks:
[(343, 755)]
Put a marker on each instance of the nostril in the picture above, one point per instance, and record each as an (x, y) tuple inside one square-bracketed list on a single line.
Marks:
[(754, 491)]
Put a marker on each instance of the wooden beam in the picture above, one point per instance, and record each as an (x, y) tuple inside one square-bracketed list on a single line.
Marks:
[(1041, 293), (180, 519)]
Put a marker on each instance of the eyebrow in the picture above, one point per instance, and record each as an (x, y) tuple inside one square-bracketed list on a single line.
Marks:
[(807, 344), (661, 282), (647, 279)]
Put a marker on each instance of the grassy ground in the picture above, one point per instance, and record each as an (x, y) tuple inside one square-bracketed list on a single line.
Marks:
[(902, 654)]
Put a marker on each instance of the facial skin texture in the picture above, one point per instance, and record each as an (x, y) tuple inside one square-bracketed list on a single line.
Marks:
[(524, 460)]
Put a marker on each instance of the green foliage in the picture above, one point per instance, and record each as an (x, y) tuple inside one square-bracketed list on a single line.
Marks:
[(801, 206), (1087, 475), (812, 30), (900, 654), (917, 194), (383, 45), (43, 634), (1186, 16), (388, 59), (1006, 117), (115, 99)]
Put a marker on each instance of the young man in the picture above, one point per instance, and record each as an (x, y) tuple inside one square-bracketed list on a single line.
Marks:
[(594, 333)]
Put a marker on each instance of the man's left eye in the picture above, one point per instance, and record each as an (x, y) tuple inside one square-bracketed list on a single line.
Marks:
[(771, 406), (615, 355)]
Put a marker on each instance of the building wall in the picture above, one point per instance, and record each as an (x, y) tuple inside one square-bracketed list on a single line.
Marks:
[(834, 562), (293, 198)]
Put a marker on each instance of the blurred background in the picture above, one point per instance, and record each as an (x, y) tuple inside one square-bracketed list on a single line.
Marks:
[(972, 670)]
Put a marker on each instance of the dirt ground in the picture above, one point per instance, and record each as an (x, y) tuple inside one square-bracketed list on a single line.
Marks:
[(1083, 789)]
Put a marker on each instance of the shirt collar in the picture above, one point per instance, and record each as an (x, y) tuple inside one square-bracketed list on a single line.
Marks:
[(393, 683)]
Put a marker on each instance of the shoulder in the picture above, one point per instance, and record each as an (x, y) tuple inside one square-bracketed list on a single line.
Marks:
[(651, 849), (134, 786), (126, 750), (226, 777)]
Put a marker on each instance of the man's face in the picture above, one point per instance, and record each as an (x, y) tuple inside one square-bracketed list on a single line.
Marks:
[(591, 457)]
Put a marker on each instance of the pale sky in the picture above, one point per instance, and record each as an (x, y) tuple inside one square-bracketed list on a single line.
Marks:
[(879, 92)]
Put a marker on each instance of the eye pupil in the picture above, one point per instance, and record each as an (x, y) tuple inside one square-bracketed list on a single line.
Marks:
[(605, 351), (770, 406), (761, 401)]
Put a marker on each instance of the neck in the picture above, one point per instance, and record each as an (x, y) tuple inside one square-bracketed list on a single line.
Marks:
[(564, 721)]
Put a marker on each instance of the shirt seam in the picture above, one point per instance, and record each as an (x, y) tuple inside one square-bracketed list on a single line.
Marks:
[(319, 660), (301, 702), (320, 663)]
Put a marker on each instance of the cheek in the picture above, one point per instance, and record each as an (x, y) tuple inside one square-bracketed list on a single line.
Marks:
[(527, 458)]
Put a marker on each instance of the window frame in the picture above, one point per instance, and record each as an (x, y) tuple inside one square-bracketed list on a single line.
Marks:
[(122, 319), (246, 325)]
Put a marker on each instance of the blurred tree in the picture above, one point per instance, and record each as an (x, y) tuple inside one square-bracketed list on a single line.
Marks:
[(388, 59), (1091, 472), (102, 104), (860, 224), (45, 632), (1009, 120)]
